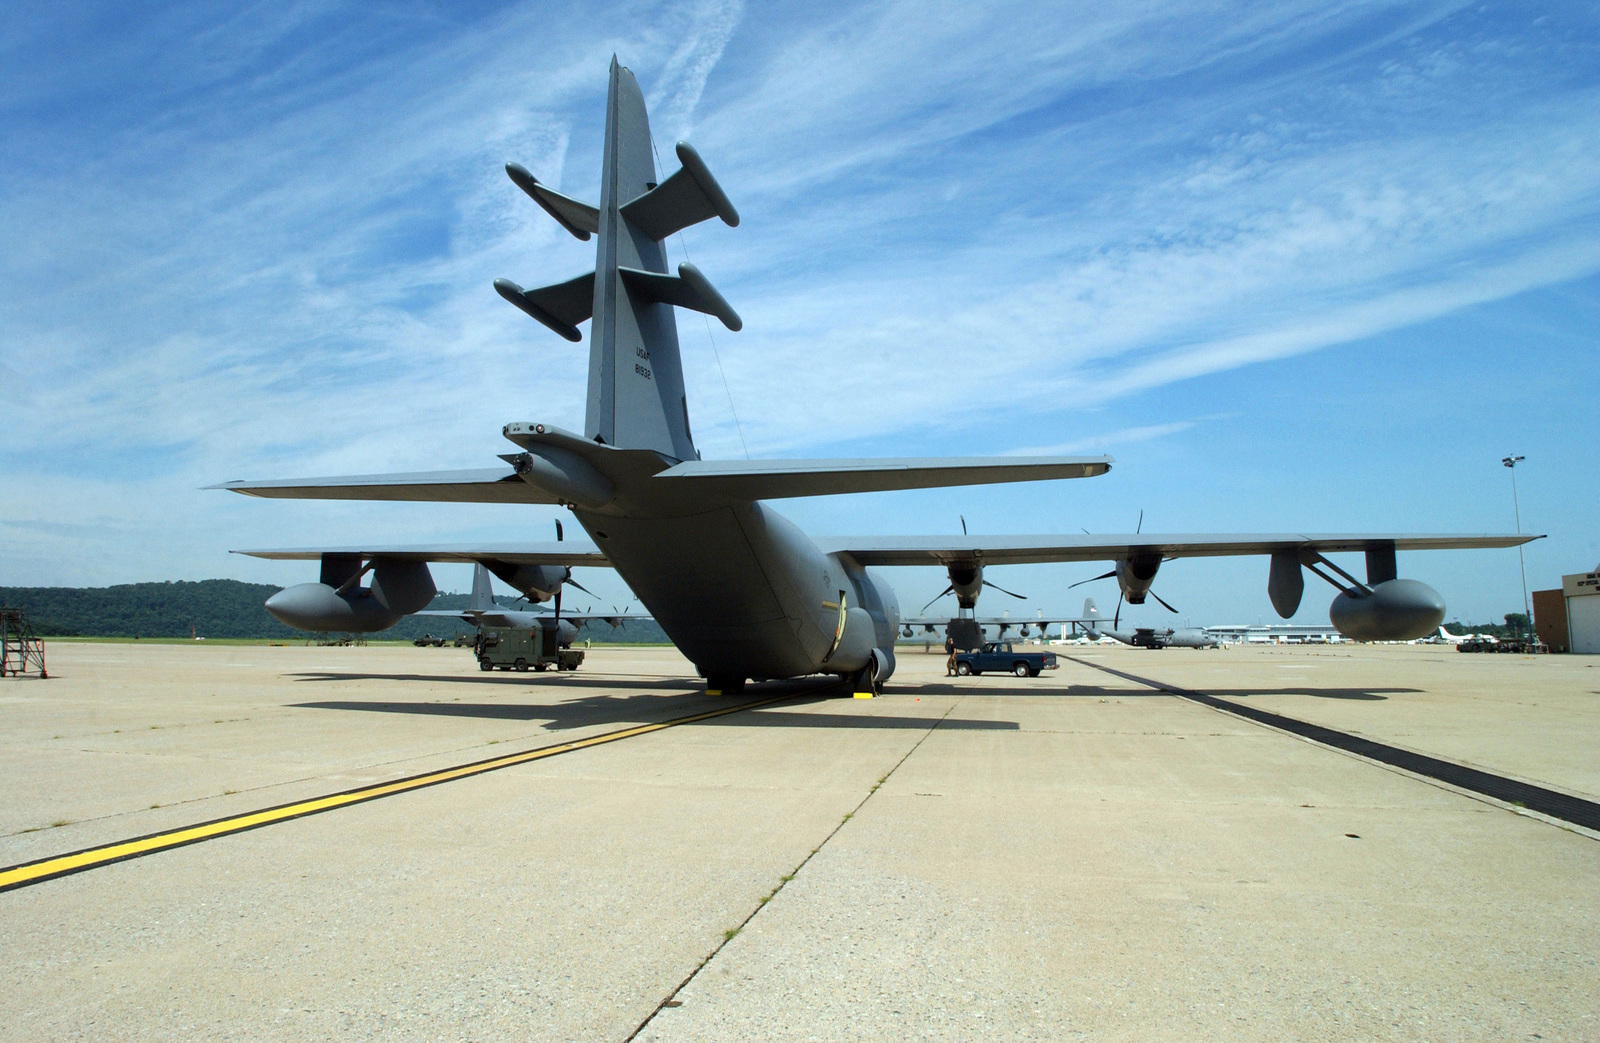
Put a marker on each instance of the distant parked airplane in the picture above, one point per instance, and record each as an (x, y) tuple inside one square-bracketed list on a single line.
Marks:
[(1149, 637), (483, 611), (1444, 637)]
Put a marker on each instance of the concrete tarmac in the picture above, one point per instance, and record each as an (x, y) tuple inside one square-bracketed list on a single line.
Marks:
[(1072, 856)]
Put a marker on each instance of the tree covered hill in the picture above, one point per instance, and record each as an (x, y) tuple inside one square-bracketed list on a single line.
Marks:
[(227, 608)]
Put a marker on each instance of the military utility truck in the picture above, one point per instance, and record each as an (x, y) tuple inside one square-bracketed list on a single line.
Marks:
[(518, 648)]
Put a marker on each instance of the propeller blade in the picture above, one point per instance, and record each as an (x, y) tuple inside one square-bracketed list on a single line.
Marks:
[(948, 590), (1116, 617), (580, 586), (1140, 527), (963, 518), (558, 530), (1103, 575), (1003, 590), (558, 608), (1164, 605)]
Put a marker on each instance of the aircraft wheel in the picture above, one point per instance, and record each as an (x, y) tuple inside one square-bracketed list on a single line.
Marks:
[(521, 665), (964, 669), (1021, 669), (541, 667), (725, 684), (485, 664)]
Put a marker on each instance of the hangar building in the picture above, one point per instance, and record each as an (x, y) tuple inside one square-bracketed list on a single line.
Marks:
[(1568, 620)]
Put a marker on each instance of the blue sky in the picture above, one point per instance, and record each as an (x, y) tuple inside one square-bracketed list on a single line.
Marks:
[(1298, 266)]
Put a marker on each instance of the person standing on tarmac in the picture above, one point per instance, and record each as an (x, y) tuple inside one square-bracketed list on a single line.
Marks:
[(949, 656)]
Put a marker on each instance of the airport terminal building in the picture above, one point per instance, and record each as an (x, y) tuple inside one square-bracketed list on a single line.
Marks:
[(1276, 634)]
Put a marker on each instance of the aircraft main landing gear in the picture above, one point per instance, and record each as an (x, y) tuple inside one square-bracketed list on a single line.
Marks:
[(724, 684)]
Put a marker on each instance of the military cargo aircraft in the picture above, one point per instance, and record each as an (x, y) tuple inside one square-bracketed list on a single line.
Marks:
[(483, 611), (740, 590), (1145, 637)]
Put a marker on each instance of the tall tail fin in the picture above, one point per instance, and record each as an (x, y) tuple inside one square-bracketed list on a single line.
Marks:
[(1090, 609), (636, 393), (482, 591)]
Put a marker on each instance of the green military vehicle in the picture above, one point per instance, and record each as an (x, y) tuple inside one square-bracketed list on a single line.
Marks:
[(518, 648)]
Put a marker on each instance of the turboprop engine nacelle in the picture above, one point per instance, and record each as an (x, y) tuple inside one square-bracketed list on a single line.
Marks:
[(398, 588), (538, 583), (966, 582), (1398, 610), (1135, 574)]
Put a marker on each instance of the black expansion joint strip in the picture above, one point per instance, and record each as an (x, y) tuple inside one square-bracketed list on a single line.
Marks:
[(1563, 806)]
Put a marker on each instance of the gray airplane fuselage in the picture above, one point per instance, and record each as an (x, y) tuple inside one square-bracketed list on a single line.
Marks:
[(764, 601)]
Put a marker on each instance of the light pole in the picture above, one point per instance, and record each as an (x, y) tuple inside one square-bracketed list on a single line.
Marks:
[(1511, 462)]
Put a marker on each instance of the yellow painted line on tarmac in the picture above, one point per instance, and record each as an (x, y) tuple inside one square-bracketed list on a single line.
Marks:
[(93, 857)]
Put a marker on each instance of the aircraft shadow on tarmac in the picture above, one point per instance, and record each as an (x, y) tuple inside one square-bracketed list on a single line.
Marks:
[(548, 680), (1089, 691), (655, 705), (1367, 694)]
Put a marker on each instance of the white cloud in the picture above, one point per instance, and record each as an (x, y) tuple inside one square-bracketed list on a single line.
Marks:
[(281, 264)]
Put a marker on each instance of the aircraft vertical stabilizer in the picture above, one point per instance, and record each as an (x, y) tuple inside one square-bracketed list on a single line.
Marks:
[(482, 590), (636, 393)]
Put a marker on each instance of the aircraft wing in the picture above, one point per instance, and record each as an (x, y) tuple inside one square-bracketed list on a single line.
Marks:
[(509, 617), (509, 553), (478, 485), (1020, 550), (778, 479), (940, 622)]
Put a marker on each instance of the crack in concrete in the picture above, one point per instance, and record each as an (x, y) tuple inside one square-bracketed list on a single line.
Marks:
[(734, 932)]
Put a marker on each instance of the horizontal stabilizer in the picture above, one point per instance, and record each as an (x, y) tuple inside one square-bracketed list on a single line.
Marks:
[(688, 289), (478, 485), (581, 219), (510, 553), (688, 197), (1022, 550), (777, 479), (560, 307)]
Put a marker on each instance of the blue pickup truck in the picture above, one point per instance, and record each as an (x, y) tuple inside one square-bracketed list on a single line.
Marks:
[(1000, 655)]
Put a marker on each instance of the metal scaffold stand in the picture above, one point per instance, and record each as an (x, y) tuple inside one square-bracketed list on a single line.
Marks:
[(21, 649)]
